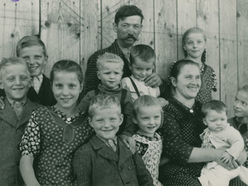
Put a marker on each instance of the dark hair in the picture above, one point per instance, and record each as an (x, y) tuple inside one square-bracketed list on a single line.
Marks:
[(194, 30), (215, 105), (126, 11), (28, 41), (67, 66), (144, 52), (244, 88)]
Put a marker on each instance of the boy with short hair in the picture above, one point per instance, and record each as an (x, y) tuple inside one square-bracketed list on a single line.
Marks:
[(34, 53), (109, 72), (220, 134), (105, 159), (15, 81)]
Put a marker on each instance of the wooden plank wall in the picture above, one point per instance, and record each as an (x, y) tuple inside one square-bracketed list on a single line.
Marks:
[(74, 29)]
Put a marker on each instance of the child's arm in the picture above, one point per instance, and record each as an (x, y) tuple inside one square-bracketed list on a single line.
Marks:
[(27, 171), (143, 176), (82, 166)]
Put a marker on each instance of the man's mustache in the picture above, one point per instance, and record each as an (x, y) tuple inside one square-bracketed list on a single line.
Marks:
[(130, 36)]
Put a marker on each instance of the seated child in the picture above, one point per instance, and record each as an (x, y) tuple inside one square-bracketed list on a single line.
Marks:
[(105, 159), (109, 71), (148, 117), (54, 133), (15, 81), (142, 66), (33, 51), (220, 134)]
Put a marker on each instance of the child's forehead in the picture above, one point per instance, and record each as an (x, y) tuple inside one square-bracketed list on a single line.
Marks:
[(211, 112), (242, 95), (32, 50), (111, 109), (111, 65), (16, 69), (141, 62)]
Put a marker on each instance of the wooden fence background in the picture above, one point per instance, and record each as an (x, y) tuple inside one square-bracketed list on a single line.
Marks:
[(74, 29)]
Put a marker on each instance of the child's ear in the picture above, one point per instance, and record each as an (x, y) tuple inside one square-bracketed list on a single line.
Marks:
[(134, 119), (115, 27), (90, 121), (204, 121), (98, 75), (121, 118), (173, 81)]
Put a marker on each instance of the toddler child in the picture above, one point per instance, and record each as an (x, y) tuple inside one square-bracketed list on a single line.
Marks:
[(220, 134), (15, 81), (109, 71), (148, 117), (33, 51), (54, 133), (105, 159), (142, 66)]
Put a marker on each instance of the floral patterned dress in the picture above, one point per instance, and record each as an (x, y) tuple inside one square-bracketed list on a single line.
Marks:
[(52, 139)]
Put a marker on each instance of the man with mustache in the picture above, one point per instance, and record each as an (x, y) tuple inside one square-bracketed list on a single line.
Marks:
[(127, 25)]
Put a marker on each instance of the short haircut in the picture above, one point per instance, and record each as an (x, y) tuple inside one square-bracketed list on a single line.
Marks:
[(145, 101), (12, 61), (67, 66), (244, 88), (127, 11), (144, 52), (215, 105), (102, 101), (28, 41), (108, 58)]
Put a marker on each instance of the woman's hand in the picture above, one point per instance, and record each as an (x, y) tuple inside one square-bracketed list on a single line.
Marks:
[(130, 142), (242, 158), (153, 80)]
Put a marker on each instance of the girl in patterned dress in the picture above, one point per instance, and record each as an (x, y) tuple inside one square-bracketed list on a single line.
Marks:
[(194, 46), (54, 133), (148, 117)]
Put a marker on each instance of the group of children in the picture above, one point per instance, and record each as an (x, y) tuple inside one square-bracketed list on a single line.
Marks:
[(74, 141)]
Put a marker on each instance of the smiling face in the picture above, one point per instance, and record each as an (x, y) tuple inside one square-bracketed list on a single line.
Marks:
[(142, 69), (35, 58), (15, 81), (216, 121), (188, 82), (106, 121), (194, 45), (148, 119), (241, 104), (110, 75), (66, 89), (128, 30)]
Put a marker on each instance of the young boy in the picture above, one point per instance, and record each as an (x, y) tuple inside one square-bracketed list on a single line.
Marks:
[(220, 134), (33, 51), (142, 66), (109, 71), (105, 159), (15, 81)]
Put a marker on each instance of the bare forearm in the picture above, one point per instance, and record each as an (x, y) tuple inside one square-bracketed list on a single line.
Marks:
[(204, 155)]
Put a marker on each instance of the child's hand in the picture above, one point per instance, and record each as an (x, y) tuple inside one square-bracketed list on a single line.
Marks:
[(163, 101), (130, 142), (153, 80), (226, 158)]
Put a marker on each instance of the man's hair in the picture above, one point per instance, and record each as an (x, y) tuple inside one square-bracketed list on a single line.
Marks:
[(144, 52), (28, 41), (102, 102), (215, 105), (244, 88), (108, 58), (127, 11)]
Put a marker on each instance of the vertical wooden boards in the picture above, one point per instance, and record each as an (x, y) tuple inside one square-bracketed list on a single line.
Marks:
[(228, 52), (242, 40), (60, 30), (207, 19), (186, 16), (165, 34), (89, 21), (17, 19)]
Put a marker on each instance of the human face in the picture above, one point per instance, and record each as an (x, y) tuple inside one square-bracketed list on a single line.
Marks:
[(110, 75), (148, 119), (35, 58), (142, 69), (241, 104), (128, 30), (16, 81), (195, 45), (216, 121), (188, 82), (66, 89), (106, 122)]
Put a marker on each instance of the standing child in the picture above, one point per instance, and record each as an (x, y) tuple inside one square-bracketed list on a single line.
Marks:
[(194, 46), (54, 133), (15, 81), (220, 134), (105, 159), (142, 66), (148, 117)]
